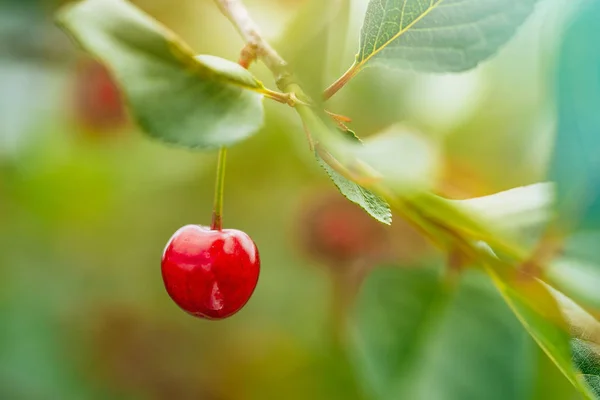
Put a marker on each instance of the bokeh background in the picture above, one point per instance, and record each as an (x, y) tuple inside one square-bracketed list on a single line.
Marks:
[(87, 204)]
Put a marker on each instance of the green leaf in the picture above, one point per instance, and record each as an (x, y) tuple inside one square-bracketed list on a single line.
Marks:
[(437, 35), (585, 342), (377, 207), (577, 278), (537, 307), (519, 211), (398, 158), (586, 356), (551, 383), (454, 216), (575, 165), (418, 336), (576, 272), (369, 201), (203, 102)]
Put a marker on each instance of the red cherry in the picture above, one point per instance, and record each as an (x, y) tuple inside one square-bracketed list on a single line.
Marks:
[(210, 273)]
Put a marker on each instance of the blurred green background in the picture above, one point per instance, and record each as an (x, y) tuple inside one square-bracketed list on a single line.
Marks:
[(87, 204)]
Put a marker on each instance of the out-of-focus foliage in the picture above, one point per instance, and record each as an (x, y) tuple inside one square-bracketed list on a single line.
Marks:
[(86, 207), (575, 163), (448, 342), (575, 166)]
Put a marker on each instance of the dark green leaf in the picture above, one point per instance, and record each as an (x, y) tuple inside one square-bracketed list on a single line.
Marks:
[(420, 337), (586, 356), (575, 165), (370, 202), (203, 101), (438, 35)]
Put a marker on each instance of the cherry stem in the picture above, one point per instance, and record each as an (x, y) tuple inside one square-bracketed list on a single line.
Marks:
[(217, 219)]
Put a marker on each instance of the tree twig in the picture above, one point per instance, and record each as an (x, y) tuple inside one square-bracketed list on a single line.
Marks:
[(237, 13)]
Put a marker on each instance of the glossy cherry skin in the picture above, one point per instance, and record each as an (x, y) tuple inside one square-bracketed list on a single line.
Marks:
[(210, 273)]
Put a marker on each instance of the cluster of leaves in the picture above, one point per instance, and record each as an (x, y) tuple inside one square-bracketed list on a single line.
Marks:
[(207, 102)]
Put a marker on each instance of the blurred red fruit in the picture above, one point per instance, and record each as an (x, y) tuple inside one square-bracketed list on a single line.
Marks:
[(336, 231), (97, 99), (339, 233)]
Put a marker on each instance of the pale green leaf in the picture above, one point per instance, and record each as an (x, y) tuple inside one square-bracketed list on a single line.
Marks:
[(520, 213), (579, 279), (175, 96), (369, 201), (465, 222), (438, 35), (576, 271), (419, 336)]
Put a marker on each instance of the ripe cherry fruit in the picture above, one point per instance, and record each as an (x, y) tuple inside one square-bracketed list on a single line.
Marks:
[(210, 273)]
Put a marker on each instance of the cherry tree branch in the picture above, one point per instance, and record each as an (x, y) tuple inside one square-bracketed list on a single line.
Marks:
[(238, 14)]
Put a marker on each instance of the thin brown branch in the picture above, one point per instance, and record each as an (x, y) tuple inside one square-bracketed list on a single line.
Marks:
[(237, 13)]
